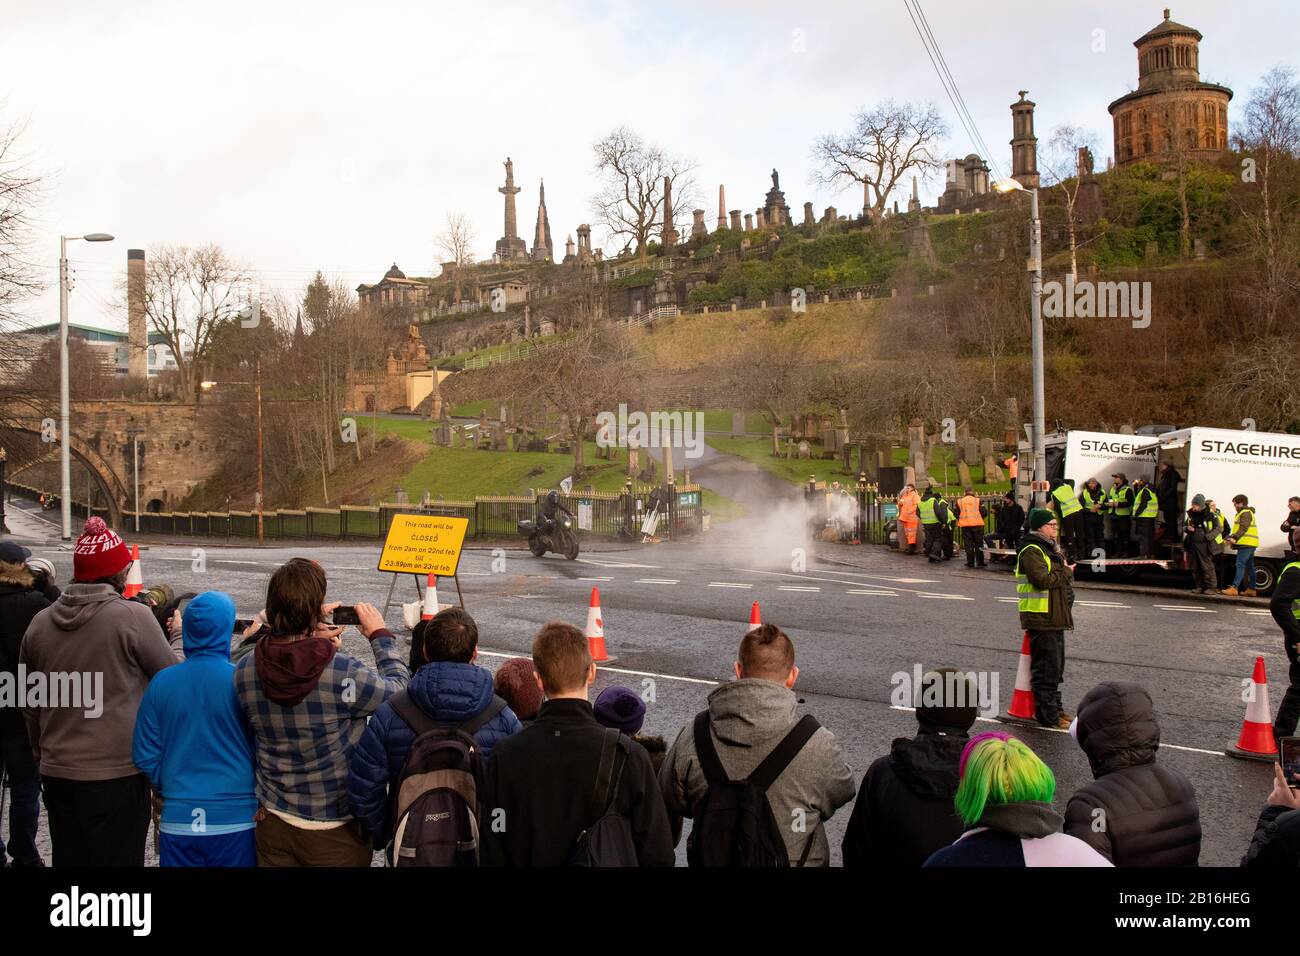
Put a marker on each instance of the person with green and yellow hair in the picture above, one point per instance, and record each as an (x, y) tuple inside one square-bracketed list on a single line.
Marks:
[(1004, 800)]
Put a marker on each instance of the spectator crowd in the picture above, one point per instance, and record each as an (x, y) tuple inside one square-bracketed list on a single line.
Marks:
[(296, 753)]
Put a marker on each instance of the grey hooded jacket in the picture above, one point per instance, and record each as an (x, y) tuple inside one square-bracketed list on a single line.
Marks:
[(749, 718)]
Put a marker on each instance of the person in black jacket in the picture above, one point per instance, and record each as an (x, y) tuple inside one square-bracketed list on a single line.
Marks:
[(540, 781), (1136, 812), (1283, 604), (1008, 520), (904, 810), (1167, 481), (20, 601), (1276, 843)]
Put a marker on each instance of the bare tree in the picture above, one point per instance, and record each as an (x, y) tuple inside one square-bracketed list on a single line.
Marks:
[(1261, 382), (456, 242), (188, 293), (1061, 161), (784, 382), (1270, 138), (19, 280), (887, 142), (629, 203)]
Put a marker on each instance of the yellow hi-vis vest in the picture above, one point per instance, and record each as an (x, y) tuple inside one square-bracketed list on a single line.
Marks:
[(1217, 524), (1089, 501), (1295, 605), (1151, 506), (1066, 500), (1251, 538), (926, 510), (1032, 601), (1123, 498)]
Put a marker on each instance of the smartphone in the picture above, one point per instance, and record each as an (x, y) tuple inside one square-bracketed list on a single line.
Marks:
[(345, 614), (243, 624), (1289, 753)]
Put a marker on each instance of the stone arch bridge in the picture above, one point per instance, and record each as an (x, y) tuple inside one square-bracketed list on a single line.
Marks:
[(177, 447)]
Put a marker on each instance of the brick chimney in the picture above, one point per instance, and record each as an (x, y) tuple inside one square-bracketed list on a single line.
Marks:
[(137, 332)]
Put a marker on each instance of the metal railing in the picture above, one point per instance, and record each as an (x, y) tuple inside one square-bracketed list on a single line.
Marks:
[(599, 515)]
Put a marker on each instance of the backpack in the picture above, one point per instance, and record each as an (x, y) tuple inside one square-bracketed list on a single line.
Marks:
[(436, 796), (734, 824), (607, 841)]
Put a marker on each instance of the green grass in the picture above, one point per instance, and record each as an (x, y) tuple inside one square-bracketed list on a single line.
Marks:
[(474, 409), (412, 428), (721, 508), (944, 455), (719, 420), (794, 470)]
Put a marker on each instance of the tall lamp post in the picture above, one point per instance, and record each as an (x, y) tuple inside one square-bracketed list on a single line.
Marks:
[(65, 458), (1035, 267)]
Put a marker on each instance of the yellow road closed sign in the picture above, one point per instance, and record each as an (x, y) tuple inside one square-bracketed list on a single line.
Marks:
[(423, 544)]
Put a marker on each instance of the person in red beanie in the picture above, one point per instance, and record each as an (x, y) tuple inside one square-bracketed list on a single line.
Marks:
[(516, 683), (95, 652)]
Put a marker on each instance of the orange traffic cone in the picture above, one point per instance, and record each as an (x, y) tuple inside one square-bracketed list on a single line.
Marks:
[(134, 577), (1256, 741), (755, 619), (1022, 707), (596, 631), (430, 598)]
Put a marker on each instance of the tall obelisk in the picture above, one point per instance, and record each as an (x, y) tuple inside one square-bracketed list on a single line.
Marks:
[(722, 206)]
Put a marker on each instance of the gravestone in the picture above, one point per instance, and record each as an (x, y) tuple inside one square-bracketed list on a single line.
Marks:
[(805, 450), (992, 470), (737, 424), (963, 475)]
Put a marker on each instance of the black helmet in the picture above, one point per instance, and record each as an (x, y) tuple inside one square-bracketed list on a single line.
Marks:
[(553, 497)]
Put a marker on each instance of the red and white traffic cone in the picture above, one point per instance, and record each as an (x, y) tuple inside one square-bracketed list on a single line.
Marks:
[(1022, 709), (596, 631), (430, 599), (755, 619), (1256, 741), (134, 577)]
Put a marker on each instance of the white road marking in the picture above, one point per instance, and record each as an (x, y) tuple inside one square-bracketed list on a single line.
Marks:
[(943, 597), (1126, 607), (882, 577), (468, 574), (728, 584), (595, 579), (1177, 607), (878, 593), (784, 587), (619, 564), (656, 581), (1009, 600), (226, 561)]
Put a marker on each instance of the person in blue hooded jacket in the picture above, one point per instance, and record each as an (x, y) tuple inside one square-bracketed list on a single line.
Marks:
[(194, 743), (450, 688)]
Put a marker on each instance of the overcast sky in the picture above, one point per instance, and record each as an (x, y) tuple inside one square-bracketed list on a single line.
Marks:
[(339, 135)]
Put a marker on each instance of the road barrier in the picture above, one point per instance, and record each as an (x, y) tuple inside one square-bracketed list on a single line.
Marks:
[(597, 514)]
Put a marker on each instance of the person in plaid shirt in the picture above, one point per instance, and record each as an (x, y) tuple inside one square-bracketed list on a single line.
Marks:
[(307, 703)]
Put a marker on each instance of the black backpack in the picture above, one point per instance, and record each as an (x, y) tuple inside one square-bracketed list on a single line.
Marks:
[(436, 796), (734, 824), (607, 841)]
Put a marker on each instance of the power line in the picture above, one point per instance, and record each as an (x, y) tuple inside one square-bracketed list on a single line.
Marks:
[(945, 79)]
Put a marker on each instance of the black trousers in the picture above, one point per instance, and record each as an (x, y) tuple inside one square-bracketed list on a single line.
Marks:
[(1122, 525), (972, 539), (1201, 562), (1046, 671), (98, 822), (1094, 533), (1144, 530), (1288, 712), (933, 541), (1072, 535)]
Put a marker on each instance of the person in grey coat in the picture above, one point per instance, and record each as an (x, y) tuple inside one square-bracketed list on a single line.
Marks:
[(748, 718), (1136, 812)]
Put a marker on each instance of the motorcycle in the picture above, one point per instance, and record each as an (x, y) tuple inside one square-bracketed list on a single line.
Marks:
[(560, 538)]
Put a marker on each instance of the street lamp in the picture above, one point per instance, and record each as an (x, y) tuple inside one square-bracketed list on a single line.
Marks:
[(65, 459), (1035, 267)]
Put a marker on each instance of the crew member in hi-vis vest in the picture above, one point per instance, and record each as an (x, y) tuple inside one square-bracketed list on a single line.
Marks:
[(1045, 589)]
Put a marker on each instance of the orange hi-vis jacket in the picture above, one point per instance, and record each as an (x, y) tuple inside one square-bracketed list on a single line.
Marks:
[(1013, 467), (969, 512), (907, 505)]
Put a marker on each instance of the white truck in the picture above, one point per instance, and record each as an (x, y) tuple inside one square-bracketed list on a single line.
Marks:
[(1221, 463), (1216, 462)]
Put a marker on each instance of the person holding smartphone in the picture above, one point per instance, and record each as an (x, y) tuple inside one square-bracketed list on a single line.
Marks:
[(1276, 843), (1284, 605)]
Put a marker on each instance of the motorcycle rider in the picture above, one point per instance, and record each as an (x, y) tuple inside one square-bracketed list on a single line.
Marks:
[(550, 505)]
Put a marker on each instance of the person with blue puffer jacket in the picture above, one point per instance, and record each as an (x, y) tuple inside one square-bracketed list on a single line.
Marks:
[(449, 688), (194, 743)]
